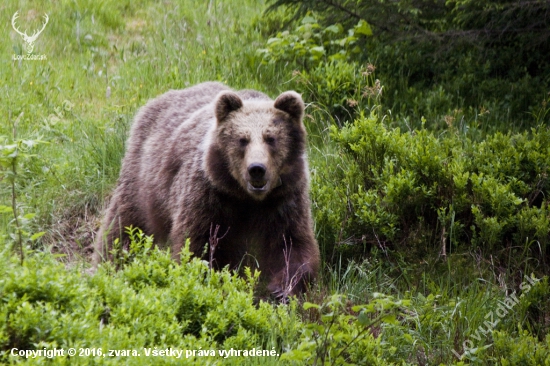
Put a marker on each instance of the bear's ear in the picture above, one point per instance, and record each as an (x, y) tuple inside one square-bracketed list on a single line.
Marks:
[(291, 103), (226, 103)]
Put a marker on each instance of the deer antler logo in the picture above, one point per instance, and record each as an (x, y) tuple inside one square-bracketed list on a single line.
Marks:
[(29, 39)]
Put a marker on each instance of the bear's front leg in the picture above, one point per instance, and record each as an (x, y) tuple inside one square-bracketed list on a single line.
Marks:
[(298, 266)]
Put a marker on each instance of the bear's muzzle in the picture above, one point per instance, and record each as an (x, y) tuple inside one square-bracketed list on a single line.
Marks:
[(257, 181)]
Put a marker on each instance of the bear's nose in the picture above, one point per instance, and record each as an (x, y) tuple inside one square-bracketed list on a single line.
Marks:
[(256, 171)]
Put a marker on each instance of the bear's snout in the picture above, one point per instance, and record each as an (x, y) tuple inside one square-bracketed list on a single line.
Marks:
[(257, 181), (256, 171)]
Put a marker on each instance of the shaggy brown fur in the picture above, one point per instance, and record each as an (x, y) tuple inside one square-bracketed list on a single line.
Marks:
[(208, 156)]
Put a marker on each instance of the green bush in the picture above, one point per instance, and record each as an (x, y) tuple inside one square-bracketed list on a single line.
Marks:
[(418, 190), (525, 350), (337, 337), (435, 57), (152, 302), (310, 43), (338, 89), (324, 71)]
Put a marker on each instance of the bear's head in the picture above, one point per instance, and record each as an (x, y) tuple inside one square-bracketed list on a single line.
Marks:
[(257, 143)]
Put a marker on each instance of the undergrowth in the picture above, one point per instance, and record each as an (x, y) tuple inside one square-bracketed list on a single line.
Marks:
[(430, 228)]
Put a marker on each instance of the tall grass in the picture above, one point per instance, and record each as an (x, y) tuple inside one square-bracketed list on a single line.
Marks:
[(104, 60)]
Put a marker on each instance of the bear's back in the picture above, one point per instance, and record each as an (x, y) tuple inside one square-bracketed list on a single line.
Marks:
[(161, 116)]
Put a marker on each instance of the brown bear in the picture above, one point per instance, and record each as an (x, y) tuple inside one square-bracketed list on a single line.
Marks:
[(210, 157)]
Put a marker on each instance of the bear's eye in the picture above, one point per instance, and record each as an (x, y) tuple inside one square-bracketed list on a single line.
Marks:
[(243, 142), (270, 140)]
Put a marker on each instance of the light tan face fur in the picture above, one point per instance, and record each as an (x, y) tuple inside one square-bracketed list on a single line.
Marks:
[(254, 137), (255, 142)]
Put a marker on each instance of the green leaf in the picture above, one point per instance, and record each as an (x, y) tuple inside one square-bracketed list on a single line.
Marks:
[(318, 51), (309, 305), (363, 28), (390, 319), (309, 20), (363, 319), (37, 235), (335, 28), (295, 355), (274, 40), (357, 308), (5, 209)]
